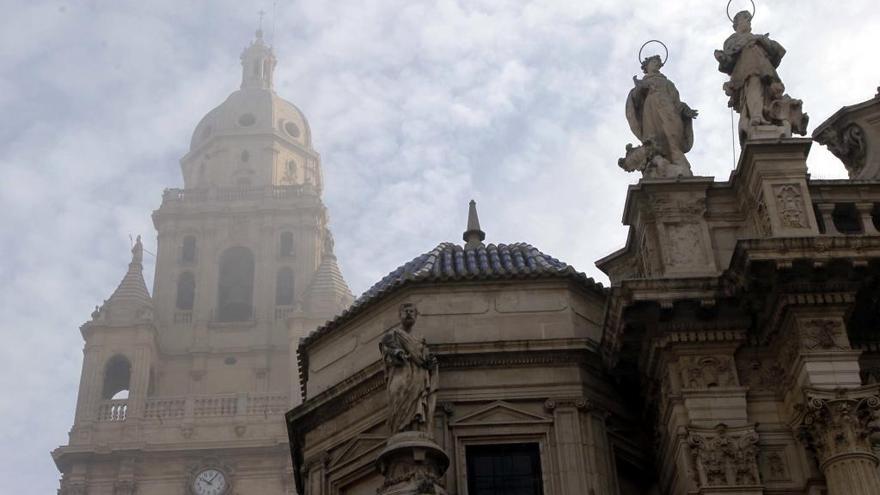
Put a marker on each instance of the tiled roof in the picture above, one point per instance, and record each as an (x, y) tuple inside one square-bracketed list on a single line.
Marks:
[(328, 293), (451, 262)]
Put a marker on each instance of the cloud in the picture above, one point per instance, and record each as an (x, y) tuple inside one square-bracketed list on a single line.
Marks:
[(415, 107)]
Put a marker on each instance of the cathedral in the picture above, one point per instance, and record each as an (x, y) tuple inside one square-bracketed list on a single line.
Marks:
[(734, 352), (184, 390)]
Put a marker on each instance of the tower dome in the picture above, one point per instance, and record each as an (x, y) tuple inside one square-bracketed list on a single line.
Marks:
[(229, 145)]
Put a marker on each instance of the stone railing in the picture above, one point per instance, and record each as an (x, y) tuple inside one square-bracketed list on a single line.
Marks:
[(215, 406), (183, 317), (113, 410), (848, 218), (166, 409), (283, 312), (267, 405), (239, 193)]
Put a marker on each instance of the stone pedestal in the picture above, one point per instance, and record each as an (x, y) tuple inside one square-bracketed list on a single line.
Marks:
[(412, 464), (771, 179), (769, 131)]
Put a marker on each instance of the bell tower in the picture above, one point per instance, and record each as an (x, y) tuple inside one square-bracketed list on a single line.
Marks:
[(244, 268)]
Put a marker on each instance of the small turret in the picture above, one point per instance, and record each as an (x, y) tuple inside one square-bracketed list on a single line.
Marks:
[(131, 300), (257, 64)]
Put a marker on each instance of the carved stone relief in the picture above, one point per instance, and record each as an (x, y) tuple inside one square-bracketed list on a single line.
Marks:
[(701, 372), (774, 466), (685, 245), (765, 375), (722, 458), (823, 334), (847, 144), (762, 219), (790, 204)]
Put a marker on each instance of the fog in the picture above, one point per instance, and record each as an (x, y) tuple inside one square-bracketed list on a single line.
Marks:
[(415, 108)]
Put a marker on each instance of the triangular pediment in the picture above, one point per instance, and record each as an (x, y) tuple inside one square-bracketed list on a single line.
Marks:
[(358, 447), (500, 413)]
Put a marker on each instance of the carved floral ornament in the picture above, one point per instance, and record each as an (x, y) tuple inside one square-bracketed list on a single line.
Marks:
[(840, 425), (724, 458), (707, 372)]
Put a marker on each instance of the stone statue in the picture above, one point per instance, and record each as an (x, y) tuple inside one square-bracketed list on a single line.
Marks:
[(137, 251), (411, 462), (410, 376), (662, 122), (756, 92)]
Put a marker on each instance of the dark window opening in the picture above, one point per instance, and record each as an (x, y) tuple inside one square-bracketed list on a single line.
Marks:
[(186, 291), (117, 378), (505, 469), (188, 250), (286, 244), (284, 287), (846, 218), (236, 285)]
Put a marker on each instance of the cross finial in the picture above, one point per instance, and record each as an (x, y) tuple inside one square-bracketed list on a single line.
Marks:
[(262, 13)]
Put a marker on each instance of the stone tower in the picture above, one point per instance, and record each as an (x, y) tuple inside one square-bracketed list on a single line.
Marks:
[(184, 391)]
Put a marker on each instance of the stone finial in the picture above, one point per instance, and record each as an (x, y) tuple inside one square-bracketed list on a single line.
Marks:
[(473, 236)]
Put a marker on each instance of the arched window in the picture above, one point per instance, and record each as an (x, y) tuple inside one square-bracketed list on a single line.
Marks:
[(186, 291), (188, 250), (235, 290), (284, 287), (117, 378), (286, 244)]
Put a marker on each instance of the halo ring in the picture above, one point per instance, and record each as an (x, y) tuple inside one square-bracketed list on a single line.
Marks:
[(665, 49), (754, 9)]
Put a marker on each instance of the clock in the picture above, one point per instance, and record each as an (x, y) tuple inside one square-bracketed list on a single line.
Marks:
[(210, 481)]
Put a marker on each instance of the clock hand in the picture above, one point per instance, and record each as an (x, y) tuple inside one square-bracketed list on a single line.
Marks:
[(215, 475)]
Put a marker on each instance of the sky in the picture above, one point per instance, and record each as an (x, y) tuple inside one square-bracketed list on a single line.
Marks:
[(416, 107)]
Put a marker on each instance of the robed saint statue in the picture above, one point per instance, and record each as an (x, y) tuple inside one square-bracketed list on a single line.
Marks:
[(411, 377), (755, 89), (662, 122)]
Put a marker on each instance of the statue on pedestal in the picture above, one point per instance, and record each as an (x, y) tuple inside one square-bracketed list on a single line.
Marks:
[(662, 122), (410, 376), (756, 92), (412, 463)]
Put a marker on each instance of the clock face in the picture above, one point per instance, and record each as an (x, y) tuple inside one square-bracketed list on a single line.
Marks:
[(210, 482)]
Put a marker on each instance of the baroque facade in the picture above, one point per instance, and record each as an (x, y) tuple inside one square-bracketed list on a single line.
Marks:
[(735, 351), (183, 390)]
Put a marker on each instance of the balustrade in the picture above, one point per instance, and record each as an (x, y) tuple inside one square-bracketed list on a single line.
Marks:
[(239, 193), (210, 406), (113, 410)]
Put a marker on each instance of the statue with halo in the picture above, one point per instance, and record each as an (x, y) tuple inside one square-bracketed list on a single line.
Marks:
[(661, 121), (756, 92)]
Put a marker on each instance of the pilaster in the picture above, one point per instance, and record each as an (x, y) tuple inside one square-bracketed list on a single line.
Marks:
[(771, 179)]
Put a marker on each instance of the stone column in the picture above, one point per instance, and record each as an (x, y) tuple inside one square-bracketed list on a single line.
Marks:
[(839, 426), (826, 209), (865, 211)]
